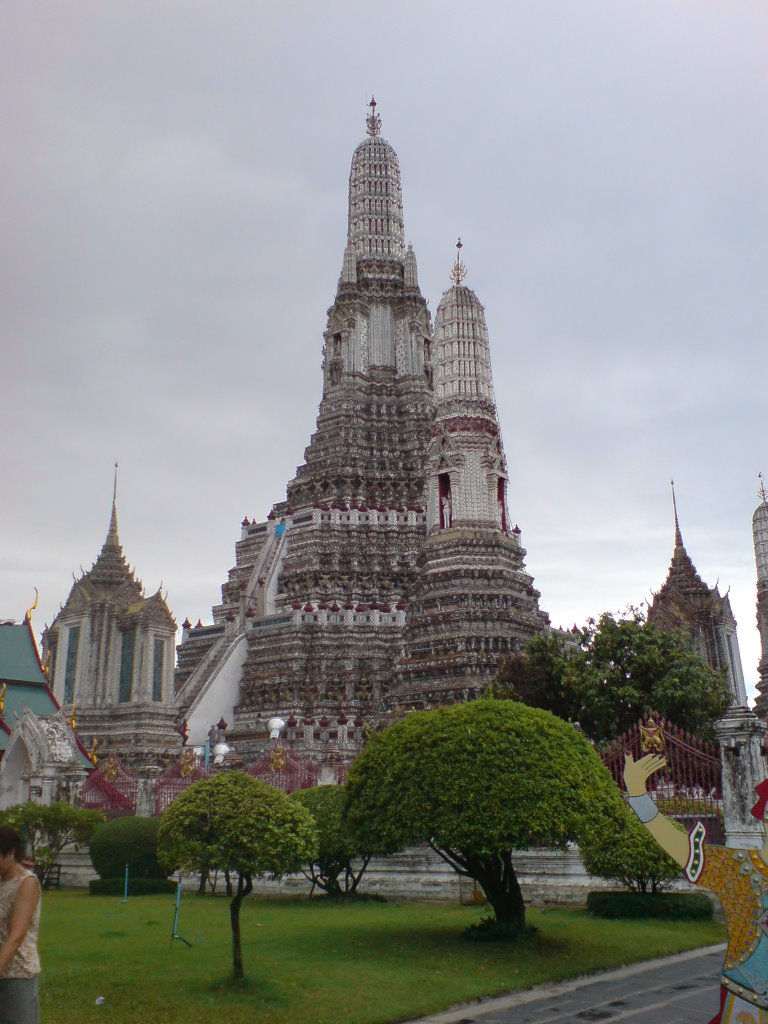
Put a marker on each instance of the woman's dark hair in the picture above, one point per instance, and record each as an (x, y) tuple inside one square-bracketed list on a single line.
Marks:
[(10, 842)]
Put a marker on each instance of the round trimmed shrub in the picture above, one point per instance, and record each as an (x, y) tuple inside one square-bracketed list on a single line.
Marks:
[(131, 841)]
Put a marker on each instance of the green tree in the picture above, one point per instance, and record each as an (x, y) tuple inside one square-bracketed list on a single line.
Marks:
[(478, 781), (48, 828), (536, 676), (619, 850), (337, 848), (614, 671), (237, 824)]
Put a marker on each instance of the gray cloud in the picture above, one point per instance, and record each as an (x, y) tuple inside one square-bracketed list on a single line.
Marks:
[(175, 189)]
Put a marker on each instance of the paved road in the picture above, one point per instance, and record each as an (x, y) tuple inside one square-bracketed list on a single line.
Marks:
[(682, 989)]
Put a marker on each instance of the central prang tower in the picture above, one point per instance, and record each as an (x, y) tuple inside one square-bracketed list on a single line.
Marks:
[(312, 615), (390, 576)]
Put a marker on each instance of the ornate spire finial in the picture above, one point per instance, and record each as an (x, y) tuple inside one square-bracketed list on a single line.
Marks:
[(762, 492), (678, 534), (114, 487), (459, 271), (373, 121)]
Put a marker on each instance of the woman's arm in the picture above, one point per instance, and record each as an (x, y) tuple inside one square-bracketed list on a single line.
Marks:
[(22, 912)]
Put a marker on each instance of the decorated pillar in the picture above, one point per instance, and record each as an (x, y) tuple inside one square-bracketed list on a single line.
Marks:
[(740, 734)]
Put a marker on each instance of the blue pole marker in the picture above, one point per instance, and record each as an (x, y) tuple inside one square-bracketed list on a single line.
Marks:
[(175, 929), (125, 887)]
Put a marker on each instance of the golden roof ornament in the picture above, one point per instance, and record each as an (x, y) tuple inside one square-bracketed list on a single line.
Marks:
[(459, 271), (92, 755), (28, 615), (373, 121), (652, 736), (2, 698), (72, 719)]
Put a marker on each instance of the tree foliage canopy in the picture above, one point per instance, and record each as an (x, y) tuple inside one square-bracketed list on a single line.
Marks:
[(478, 781), (235, 823), (332, 870), (48, 828), (612, 673)]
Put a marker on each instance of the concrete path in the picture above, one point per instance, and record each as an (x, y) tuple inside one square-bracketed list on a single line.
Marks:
[(682, 989)]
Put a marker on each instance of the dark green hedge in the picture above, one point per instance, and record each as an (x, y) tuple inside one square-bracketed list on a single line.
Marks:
[(136, 886), (673, 906), (131, 841)]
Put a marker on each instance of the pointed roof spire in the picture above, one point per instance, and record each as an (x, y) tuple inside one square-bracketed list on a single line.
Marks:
[(110, 566), (762, 493), (678, 534), (373, 121), (683, 575), (458, 271), (112, 536)]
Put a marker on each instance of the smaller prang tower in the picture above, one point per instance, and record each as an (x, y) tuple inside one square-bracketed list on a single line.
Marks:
[(110, 657), (760, 537), (686, 602), (473, 602)]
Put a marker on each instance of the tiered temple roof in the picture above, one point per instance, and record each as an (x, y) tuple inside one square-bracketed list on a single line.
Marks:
[(686, 602)]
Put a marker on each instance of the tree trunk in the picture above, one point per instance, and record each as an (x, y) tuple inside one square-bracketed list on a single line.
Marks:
[(244, 888), (203, 882), (498, 880)]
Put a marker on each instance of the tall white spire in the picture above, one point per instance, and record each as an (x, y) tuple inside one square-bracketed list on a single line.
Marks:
[(375, 227), (462, 354), (760, 534), (469, 474)]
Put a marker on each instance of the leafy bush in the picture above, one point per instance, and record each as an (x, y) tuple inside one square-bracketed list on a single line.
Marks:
[(620, 849), (131, 841), (671, 906), (332, 871), (136, 886)]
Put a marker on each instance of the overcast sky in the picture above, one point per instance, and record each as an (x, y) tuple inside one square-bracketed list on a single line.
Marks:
[(174, 192)]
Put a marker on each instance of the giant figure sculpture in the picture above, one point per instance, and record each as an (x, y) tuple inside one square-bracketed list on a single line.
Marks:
[(739, 879)]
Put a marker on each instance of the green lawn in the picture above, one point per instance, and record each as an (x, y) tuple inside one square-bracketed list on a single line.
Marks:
[(310, 962)]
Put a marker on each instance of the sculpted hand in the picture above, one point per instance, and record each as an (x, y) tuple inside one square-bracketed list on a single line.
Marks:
[(636, 773)]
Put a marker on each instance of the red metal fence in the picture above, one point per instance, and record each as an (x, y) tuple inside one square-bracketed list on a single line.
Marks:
[(284, 770), (690, 787), (110, 788), (180, 776)]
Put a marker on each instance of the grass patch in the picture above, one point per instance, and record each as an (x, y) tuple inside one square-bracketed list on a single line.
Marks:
[(317, 962)]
